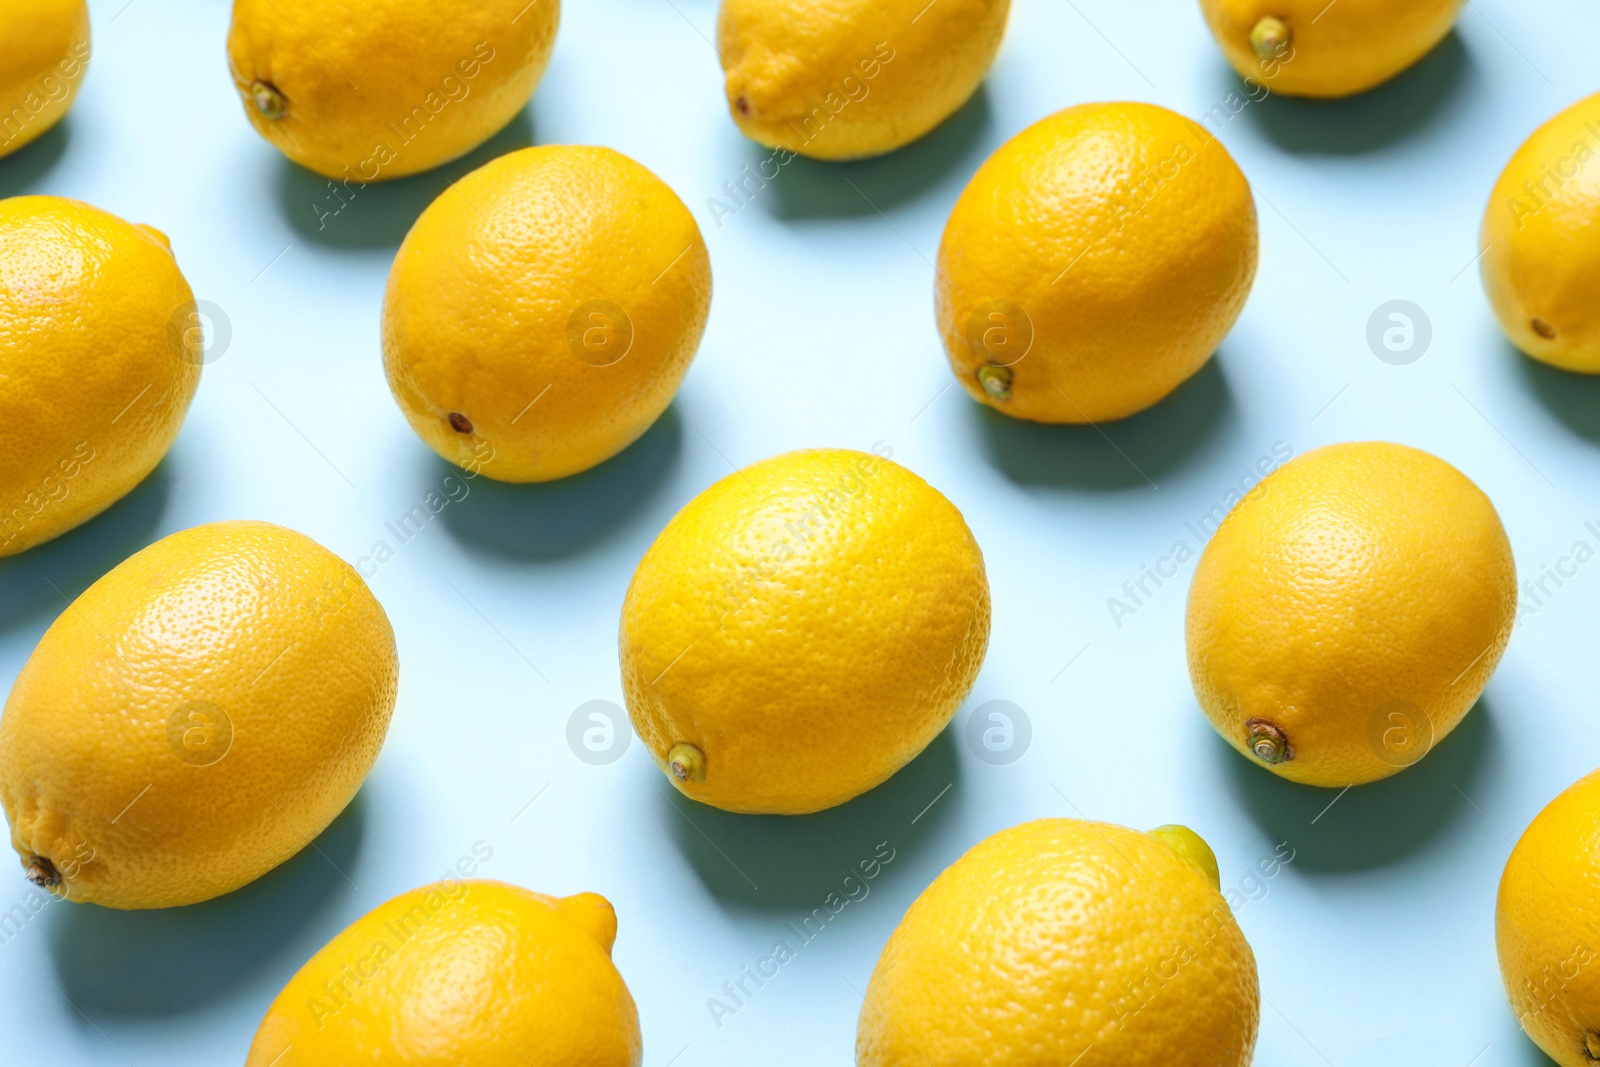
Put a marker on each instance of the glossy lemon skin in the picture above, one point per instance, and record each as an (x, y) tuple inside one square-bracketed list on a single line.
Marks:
[(846, 79), (1062, 941), (196, 716), (1545, 921), (385, 88), (809, 624), (1099, 257), (100, 356), (460, 972), (43, 57), (542, 312), (1358, 601), (1541, 264), (1334, 50)]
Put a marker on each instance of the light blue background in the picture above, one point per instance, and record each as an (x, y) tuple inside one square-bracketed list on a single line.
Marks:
[(1375, 944)]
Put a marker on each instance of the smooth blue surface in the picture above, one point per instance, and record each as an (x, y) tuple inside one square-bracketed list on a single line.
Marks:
[(1375, 944)]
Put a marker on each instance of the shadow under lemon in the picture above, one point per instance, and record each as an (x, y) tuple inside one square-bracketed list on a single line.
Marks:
[(1127, 454), (1374, 824), (176, 960), (559, 519), (812, 189), (22, 170), (1572, 398), (380, 214), (1394, 112), (788, 863), (33, 583)]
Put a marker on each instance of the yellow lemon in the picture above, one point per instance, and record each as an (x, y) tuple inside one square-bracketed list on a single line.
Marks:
[(1062, 941), (801, 630), (386, 88), (1547, 927), (195, 717), (1094, 263), (844, 79), (542, 312), (42, 60), (100, 352), (1348, 612), (472, 972), (1314, 48), (1541, 265)]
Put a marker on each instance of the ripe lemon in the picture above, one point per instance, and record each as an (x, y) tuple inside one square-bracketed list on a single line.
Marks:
[(1546, 927), (1348, 612), (42, 60), (801, 630), (386, 88), (1094, 263), (100, 355), (1314, 48), (1062, 941), (1541, 266), (844, 79), (542, 312), (195, 717), (473, 972)]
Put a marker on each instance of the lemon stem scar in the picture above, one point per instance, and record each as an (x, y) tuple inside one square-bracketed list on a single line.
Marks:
[(687, 763), (996, 381), (460, 423), (1269, 743), (1192, 847), (268, 100), (1591, 1045), (1543, 328), (42, 873), (1270, 38)]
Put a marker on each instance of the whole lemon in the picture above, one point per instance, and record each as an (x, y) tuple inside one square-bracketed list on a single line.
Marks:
[(42, 60), (195, 718), (473, 972), (845, 79), (802, 630), (1094, 263), (386, 88), (1314, 48), (1545, 923), (100, 353), (1062, 941), (1541, 265), (541, 313), (1348, 611)]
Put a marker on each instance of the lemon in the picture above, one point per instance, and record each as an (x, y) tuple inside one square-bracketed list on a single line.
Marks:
[(845, 79), (42, 60), (1062, 941), (801, 630), (195, 718), (1314, 48), (1094, 263), (1348, 612), (1541, 267), (100, 352), (541, 313), (460, 972), (1545, 927), (386, 88)]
